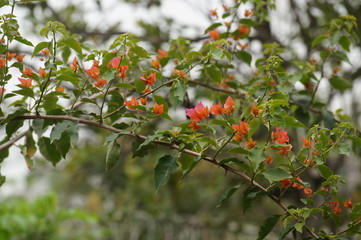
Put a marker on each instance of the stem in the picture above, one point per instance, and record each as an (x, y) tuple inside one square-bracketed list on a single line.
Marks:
[(81, 91), (224, 145), (352, 225), (316, 88), (105, 96), (48, 79), (12, 141)]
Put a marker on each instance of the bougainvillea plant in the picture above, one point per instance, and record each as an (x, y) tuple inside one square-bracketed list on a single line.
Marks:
[(240, 122)]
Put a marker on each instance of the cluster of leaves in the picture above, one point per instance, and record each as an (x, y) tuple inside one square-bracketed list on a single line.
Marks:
[(244, 131)]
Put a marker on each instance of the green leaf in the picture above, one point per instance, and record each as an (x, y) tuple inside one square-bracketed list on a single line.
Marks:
[(299, 226), (328, 119), (2, 180), (193, 164), (22, 40), (239, 150), (112, 137), (256, 156), (59, 128), (124, 85), (318, 40), (25, 91), (69, 77), (344, 148), (214, 72), (113, 155), (339, 83), (249, 22), (49, 151), (30, 145), (254, 126), (342, 56), (228, 193), (143, 151), (40, 46), (177, 93), (219, 122), (293, 122), (276, 174), (217, 54), (325, 171), (345, 43), (13, 126), (5, 152), (4, 3), (139, 85), (213, 26), (356, 140), (165, 166), (249, 195), (141, 52), (286, 230), (63, 144), (244, 56), (267, 226), (149, 139), (74, 44)]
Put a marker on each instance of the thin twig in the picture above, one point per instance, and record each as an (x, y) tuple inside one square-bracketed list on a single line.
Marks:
[(13, 141)]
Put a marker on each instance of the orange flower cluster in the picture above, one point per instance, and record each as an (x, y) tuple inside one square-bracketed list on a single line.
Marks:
[(28, 72), (255, 111), (282, 138), (201, 112), (306, 143), (45, 52), (214, 35), (155, 62), (348, 203), (100, 82), (20, 58), (158, 108), (241, 130), (336, 206), (94, 70), (10, 56), (116, 64), (247, 13), (243, 30), (2, 62), (180, 73), (74, 65), (162, 54), (132, 102), (213, 13), (26, 82), (150, 79), (285, 183), (93, 73), (41, 72), (217, 109), (60, 89)]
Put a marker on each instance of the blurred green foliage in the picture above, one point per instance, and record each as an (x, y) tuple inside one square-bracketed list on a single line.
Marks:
[(43, 219)]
